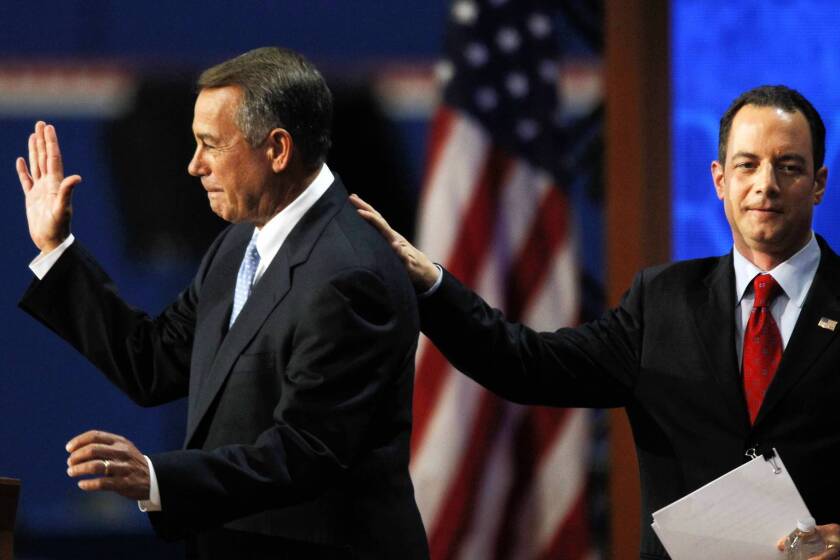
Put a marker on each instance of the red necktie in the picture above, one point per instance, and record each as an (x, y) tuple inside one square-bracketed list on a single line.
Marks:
[(762, 344)]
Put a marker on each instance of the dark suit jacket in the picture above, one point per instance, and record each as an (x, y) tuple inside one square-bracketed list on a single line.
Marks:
[(300, 415), (667, 354)]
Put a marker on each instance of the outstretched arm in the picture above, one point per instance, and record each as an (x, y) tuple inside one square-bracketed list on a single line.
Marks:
[(421, 269), (594, 365), (47, 190)]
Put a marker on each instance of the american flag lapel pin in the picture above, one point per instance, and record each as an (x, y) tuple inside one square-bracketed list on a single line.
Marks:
[(827, 323)]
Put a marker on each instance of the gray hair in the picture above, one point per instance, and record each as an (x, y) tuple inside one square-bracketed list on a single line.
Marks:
[(281, 90)]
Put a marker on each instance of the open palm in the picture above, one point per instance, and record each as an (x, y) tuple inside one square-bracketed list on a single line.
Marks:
[(47, 190)]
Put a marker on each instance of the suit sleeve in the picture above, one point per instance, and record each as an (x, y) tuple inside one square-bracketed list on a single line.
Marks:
[(594, 365), (147, 358), (346, 351)]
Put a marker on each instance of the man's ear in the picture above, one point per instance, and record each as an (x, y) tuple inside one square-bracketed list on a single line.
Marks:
[(280, 147), (820, 180), (717, 178)]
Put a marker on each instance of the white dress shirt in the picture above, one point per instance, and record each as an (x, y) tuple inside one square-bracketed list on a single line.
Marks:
[(794, 276), (269, 240)]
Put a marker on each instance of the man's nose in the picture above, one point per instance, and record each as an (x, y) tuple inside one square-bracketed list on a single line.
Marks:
[(194, 166), (767, 180)]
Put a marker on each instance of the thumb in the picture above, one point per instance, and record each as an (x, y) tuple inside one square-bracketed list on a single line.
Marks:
[(65, 189)]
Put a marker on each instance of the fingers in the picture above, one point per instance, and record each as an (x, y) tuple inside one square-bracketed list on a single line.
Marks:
[(781, 544), (95, 467), (41, 147), (370, 214), (357, 201), (23, 174), (421, 269), (53, 152), (65, 189), (92, 436), (832, 553), (44, 152), (94, 452), (98, 484), (33, 157), (113, 462), (831, 535)]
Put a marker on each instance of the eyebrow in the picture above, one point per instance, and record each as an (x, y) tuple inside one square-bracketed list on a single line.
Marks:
[(792, 157), (783, 157), (204, 136)]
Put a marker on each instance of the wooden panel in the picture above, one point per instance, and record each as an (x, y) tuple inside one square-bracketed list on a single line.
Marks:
[(9, 493), (638, 190)]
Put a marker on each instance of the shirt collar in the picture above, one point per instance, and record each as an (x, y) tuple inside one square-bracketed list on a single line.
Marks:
[(277, 229), (794, 275)]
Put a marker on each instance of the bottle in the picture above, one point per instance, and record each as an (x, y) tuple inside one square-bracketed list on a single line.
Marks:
[(805, 541)]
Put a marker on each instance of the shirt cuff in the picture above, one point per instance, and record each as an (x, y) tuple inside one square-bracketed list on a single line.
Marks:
[(42, 264), (435, 286), (153, 503)]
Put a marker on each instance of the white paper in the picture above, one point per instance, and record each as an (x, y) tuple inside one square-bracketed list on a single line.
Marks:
[(740, 515)]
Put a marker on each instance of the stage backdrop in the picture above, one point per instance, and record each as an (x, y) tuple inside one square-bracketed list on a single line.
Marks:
[(721, 48)]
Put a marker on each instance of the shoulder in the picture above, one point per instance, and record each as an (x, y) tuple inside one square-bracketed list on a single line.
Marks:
[(351, 241), (348, 250), (675, 281), (684, 272), (826, 250)]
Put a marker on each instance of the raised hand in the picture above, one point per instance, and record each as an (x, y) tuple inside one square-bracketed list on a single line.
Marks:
[(113, 461), (47, 190), (421, 269)]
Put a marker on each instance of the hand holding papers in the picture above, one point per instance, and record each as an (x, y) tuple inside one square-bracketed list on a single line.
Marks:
[(740, 515)]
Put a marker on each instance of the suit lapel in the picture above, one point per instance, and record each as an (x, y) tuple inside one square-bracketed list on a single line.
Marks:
[(809, 340), (217, 300), (208, 375), (714, 307)]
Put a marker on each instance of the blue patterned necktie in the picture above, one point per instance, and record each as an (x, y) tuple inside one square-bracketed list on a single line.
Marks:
[(245, 278)]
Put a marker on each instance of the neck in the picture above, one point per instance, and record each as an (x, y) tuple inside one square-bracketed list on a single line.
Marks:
[(768, 259), (288, 190)]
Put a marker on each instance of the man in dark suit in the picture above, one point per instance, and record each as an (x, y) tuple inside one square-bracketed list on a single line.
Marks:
[(707, 367), (294, 343)]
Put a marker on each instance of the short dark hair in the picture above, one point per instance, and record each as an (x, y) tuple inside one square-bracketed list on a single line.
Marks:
[(281, 90), (781, 97)]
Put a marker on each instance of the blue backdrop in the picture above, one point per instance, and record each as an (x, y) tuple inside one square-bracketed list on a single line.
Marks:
[(720, 49)]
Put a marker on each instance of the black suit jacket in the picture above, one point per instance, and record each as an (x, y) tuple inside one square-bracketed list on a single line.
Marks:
[(667, 354), (299, 415)]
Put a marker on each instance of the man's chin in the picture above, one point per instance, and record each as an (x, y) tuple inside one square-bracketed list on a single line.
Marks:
[(777, 243), (221, 211)]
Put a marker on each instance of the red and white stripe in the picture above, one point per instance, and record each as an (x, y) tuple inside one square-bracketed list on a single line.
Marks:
[(493, 479)]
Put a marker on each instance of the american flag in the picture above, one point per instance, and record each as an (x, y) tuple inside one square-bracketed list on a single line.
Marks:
[(493, 479)]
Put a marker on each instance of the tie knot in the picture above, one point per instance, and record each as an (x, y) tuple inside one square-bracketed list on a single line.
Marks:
[(252, 252), (766, 289)]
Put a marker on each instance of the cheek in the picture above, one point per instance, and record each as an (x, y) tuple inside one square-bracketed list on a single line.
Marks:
[(737, 195)]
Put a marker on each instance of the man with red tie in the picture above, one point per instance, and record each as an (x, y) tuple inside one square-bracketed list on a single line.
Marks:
[(711, 357)]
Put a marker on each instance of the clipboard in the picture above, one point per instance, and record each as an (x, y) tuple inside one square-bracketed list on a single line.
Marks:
[(741, 514)]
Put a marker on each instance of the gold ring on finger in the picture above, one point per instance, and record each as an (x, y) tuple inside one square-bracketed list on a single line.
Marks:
[(107, 464)]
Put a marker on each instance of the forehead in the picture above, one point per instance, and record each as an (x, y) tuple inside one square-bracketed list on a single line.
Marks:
[(215, 108), (769, 131)]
